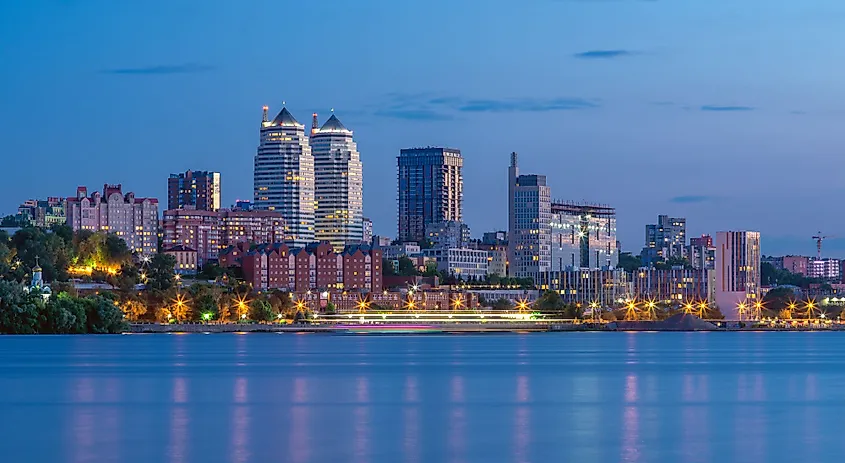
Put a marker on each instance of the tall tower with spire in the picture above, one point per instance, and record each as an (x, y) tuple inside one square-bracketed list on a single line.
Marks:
[(339, 185), (283, 176)]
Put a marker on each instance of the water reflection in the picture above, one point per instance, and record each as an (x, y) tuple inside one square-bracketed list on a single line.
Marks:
[(631, 434), (240, 421), (299, 444), (362, 420), (177, 451), (457, 421), (522, 418)]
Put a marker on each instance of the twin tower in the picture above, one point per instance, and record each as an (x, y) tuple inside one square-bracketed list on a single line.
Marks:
[(316, 183)]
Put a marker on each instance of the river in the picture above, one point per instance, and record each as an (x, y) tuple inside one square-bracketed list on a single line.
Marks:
[(539, 397)]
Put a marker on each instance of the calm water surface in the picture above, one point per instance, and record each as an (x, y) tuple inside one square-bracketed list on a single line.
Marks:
[(568, 397)]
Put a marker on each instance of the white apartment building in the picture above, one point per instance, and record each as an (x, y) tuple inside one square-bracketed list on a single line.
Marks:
[(737, 271), (283, 176), (529, 217), (135, 220), (462, 262), (338, 185)]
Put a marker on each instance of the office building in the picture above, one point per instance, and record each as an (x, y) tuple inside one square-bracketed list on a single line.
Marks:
[(135, 220), (737, 271), (665, 240), (430, 185), (583, 236), (495, 237), (465, 264), (529, 223), (338, 185), (448, 234), (283, 176), (198, 190)]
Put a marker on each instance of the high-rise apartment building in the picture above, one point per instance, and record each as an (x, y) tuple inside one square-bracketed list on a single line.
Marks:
[(368, 231), (583, 237), (665, 240), (701, 253), (338, 185), (198, 190), (430, 189), (448, 234), (135, 220), (283, 176), (737, 272), (529, 222)]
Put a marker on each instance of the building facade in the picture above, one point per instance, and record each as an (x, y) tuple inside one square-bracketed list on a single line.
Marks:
[(737, 271), (665, 240), (529, 222), (316, 267), (135, 220), (368, 231), (283, 176), (43, 213), (676, 286), (186, 260), (462, 263), (448, 234), (338, 185), (826, 269), (430, 182), (796, 264), (588, 286), (208, 233), (583, 236), (701, 253), (198, 190)]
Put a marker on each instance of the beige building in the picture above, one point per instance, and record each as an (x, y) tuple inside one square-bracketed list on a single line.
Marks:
[(186, 259), (737, 272), (135, 220)]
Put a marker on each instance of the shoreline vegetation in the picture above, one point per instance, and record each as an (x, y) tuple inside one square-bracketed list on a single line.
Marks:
[(56, 281)]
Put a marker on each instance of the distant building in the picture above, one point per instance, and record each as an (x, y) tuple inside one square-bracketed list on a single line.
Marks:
[(209, 232), (701, 253), (338, 185), (583, 237), (737, 271), (381, 241), (242, 205), (826, 269), (283, 176), (396, 251), (529, 228), (135, 220), (43, 213), (368, 231), (186, 259), (198, 190), (496, 237), (587, 286), (448, 234), (797, 264), (665, 240), (430, 189), (676, 285), (463, 263)]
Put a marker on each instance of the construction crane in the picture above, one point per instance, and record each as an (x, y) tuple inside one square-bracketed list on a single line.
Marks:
[(819, 238)]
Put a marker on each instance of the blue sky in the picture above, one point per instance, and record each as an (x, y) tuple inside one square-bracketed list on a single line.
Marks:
[(726, 112)]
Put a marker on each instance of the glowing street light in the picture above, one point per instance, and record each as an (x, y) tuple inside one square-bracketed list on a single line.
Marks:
[(363, 305), (631, 310), (457, 302), (522, 305), (206, 316)]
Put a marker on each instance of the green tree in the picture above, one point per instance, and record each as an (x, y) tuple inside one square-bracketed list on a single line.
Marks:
[(629, 262), (127, 277), (330, 308), (64, 314), (31, 244), (387, 267), (19, 311), (160, 275), (260, 310), (103, 315), (206, 302), (407, 267)]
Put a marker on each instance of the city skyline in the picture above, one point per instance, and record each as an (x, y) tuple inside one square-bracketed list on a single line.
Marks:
[(665, 132)]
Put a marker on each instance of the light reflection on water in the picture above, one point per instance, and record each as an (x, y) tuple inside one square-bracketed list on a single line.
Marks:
[(649, 397)]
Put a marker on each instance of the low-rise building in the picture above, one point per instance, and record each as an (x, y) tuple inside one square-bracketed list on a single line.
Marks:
[(463, 263), (396, 251), (186, 259), (796, 264), (43, 213), (677, 285), (448, 234), (589, 286), (826, 269)]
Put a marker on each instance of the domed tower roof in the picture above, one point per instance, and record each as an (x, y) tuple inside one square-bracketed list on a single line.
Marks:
[(333, 125), (285, 119)]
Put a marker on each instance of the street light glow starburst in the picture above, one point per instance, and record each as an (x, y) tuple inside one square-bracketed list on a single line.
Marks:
[(458, 302)]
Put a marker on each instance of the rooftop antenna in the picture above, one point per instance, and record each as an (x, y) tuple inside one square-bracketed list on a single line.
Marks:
[(314, 124), (264, 118)]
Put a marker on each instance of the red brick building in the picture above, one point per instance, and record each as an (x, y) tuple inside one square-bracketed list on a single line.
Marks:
[(315, 267)]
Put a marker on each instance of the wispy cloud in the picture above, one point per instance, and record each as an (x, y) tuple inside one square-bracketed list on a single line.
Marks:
[(526, 105), (188, 68), (414, 114), (726, 108), (603, 54), (445, 107), (690, 199)]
